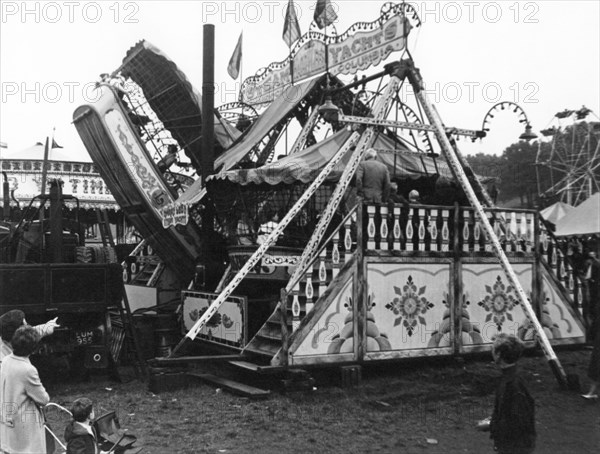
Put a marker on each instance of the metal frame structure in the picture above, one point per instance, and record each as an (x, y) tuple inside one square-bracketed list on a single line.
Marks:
[(405, 69)]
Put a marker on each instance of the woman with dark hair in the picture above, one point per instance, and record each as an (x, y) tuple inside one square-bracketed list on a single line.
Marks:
[(13, 320), (21, 395)]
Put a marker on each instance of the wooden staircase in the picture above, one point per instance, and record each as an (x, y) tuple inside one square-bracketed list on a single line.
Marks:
[(267, 341), (306, 294)]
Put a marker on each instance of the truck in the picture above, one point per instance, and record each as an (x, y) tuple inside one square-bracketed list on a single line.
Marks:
[(46, 270)]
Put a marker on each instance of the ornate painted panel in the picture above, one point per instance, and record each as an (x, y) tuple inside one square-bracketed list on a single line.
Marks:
[(408, 308), (557, 318), (333, 334), (227, 326), (411, 312), (490, 305)]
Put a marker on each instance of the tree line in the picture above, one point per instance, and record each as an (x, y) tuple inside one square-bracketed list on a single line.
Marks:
[(534, 174)]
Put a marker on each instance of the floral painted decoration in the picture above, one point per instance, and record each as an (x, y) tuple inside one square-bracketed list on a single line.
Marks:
[(410, 305), (499, 302)]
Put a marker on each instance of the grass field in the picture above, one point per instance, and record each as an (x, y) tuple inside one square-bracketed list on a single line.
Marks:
[(419, 407)]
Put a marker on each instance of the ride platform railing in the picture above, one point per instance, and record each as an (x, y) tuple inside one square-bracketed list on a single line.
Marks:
[(428, 228), (414, 231)]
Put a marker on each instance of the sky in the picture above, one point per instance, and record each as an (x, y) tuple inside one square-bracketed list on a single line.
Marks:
[(542, 55)]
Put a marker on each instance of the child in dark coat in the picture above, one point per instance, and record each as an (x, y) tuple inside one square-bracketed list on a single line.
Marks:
[(512, 424), (79, 434)]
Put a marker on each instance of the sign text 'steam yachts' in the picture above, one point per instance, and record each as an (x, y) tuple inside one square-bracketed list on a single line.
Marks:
[(354, 53)]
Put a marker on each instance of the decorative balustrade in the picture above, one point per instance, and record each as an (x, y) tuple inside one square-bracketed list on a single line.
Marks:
[(334, 252), (427, 228), (560, 264)]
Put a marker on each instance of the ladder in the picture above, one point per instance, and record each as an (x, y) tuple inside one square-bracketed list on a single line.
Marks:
[(104, 227)]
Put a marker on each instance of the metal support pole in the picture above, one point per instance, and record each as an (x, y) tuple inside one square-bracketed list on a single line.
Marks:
[(208, 102), (306, 129), (208, 119), (453, 161)]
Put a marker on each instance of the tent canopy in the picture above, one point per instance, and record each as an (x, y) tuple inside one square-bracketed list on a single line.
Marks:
[(583, 220), (555, 212), (305, 165)]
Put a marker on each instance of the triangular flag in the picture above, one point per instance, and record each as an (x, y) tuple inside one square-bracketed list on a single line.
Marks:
[(291, 28), (233, 68), (324, 13), (55, 145)]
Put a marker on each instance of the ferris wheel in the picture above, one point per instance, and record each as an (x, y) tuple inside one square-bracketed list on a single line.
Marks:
[(568, 161)]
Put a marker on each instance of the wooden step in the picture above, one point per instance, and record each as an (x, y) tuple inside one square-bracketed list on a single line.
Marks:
[(262, 348), (260, 369), (233, 386), (269, 335), (276, 326)]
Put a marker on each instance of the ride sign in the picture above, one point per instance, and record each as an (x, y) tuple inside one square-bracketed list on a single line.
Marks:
[(174, 213), (347, 54)]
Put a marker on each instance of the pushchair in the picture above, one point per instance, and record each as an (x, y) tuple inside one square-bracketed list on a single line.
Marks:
[(111, 438)]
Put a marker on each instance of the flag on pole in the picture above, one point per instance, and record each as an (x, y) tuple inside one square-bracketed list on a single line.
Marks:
[(291, 28), (55, 144), (233, 68), (324, 13)]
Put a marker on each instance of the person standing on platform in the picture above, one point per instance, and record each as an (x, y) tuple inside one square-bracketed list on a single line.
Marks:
[(395, 198), (372, 179), (414, 197)]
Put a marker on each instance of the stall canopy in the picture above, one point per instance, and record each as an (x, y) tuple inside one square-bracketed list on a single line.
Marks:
[(581, 221), (555, 212), (306, 165)]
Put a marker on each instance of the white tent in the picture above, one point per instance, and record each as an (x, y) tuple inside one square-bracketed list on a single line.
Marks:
[(583, 220), (36, 152), (555, 212)]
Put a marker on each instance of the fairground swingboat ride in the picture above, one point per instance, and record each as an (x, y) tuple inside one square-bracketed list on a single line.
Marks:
[(277, 257)]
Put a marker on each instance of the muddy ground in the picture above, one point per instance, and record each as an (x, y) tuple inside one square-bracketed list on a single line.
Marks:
[(425, 406)]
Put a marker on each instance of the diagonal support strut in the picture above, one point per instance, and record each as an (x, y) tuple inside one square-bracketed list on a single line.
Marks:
[(417, 82)]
